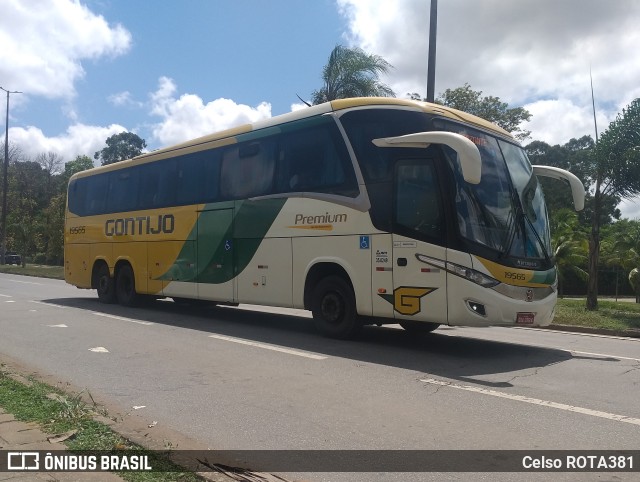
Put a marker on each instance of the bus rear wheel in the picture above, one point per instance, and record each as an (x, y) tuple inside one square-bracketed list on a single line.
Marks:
[(334, 308), (105, 286), (418, 327), (126, 286)]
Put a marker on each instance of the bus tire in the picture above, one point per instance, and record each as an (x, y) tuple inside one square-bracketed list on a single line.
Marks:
[(105, 285), (418, 327), (333, 305), (126, 286)]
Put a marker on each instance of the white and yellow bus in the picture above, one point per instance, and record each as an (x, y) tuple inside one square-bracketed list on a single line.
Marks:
[(369, 210)]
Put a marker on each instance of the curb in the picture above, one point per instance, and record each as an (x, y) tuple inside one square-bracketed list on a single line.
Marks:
[(630, 333)]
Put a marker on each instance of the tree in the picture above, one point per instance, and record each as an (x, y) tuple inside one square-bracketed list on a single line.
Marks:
[(620, 246), (569, 247), (574, 156), (489, 107), (351, 72), (79, 164), (614, 169), (120, 147)]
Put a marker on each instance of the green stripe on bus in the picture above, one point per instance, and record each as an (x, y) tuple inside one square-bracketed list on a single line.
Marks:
[(226, 240)]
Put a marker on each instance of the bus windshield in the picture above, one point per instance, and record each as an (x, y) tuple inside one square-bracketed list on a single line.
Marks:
[(506, 211)]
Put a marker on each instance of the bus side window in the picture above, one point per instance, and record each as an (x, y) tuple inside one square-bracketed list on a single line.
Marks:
[(77, 196), (123, 190), (311, 160), (418, 201), (247, 169), (97, 187)]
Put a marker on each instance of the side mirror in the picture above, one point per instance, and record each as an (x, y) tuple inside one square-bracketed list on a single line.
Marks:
[(577, 188), (468, 153)]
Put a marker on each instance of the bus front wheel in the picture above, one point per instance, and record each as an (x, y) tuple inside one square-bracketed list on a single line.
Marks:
[(126, 286), (105, 285), (334, 308)]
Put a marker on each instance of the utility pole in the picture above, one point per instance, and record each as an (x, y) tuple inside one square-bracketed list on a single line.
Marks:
[(5, 182), (431, 67)]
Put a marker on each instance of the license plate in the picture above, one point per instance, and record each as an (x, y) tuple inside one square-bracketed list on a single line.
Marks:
[(525, 318)]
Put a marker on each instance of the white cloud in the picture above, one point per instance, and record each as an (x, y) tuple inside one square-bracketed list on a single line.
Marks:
[(187, 116), (523, 52), (125, 98), (630, 208), (44, 41), (78, 140)]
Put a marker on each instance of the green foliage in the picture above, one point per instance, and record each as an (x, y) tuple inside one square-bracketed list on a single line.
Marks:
[(120, 147), (351, 72), (575, 156), (79, 164), (614, 169), (569, 246), (617, 154), (488, 107)]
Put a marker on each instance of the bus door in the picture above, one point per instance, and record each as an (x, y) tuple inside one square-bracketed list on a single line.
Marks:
[(419, 289), (215, 245)]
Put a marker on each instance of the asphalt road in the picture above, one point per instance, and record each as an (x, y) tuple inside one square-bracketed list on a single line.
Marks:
[(237, 378)]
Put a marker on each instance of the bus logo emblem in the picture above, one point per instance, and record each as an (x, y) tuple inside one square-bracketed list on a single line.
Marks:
[(529, 297), (406, 299)]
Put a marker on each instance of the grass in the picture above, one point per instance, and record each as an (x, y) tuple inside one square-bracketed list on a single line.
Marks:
[(57, 413), (619, 316), (56, 272), (611, 315)]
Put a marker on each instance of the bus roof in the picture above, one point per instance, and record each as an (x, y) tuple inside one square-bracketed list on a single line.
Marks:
[(228, 136)]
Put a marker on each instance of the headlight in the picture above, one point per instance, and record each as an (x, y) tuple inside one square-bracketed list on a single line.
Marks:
[(467, 273)]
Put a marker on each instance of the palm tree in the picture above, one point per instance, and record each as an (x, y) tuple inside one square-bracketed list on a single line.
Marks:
[(569, 247), (351, 72)]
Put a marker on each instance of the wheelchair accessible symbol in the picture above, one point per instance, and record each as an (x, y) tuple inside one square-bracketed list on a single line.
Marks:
[(227, 245), (364, 242)]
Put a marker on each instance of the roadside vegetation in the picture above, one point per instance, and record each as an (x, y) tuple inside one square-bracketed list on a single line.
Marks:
[(611, 315), (42, 271), (69, 415)]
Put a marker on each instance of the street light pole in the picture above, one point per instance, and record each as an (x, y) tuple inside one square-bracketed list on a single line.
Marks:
[(5, 182), (431, 65)]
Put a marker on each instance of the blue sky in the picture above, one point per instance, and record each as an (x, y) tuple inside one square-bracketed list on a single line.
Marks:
[(172, 70)]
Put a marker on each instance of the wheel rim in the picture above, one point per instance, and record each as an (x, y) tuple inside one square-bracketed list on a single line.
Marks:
[(332, 308)]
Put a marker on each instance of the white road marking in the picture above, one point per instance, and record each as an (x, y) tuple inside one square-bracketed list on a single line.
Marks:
[(99, 349), (26, 282), (548, 347), (280, 349), (58, 326), (122, 318), (535, 401), (10, 301), (6, 296), (46, 304), (603, 355)]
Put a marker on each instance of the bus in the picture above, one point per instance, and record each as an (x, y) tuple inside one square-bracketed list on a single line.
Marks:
[(362, 211)]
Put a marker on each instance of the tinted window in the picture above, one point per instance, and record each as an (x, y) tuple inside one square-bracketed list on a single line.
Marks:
[(315, 160), (198, 177), (362, 126), (123, 190), (247, 169), (96, 200), (418, 200), (158, 184)]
